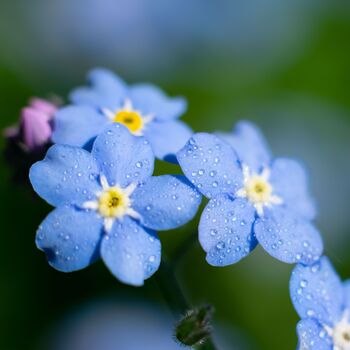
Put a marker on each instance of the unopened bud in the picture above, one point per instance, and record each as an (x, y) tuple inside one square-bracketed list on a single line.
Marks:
[(195, 327), (27, 142)]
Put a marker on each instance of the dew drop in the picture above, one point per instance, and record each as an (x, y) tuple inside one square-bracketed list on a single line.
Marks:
[(213, 232), (220, 245), (303, 283)]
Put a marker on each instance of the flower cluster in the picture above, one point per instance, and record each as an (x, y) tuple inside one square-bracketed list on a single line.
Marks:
[(98, 176)]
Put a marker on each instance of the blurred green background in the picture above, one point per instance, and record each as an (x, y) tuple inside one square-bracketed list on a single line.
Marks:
[(284, 65)]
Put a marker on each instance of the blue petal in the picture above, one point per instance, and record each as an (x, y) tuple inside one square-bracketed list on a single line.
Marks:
[(250, 145), (78, 125), (312, 336), (131, 252), (123, 157), (70, 238), (149, 99), (288, 237), (166, 202), (167, 138), (347, 294), (225, 230), (107, 90), (317, 292), (289, 181), (211, 165), (67, 175)]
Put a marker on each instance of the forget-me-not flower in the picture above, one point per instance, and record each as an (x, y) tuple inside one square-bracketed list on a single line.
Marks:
[(143, 108), (251, 199), (249, 144), (108, 204), (323, 303)]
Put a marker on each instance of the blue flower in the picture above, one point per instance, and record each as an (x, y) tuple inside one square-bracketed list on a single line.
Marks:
[(323, 303), (250, 202), (108, 204), (250, 145), (143, 108)]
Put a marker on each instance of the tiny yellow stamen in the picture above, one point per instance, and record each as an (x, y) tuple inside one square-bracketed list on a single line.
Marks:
[(113, 203), (346, 337), (258, 190), (131, 119)]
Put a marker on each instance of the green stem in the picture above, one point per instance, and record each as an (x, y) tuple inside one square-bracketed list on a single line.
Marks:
[(170, 289), (175, 298), (184, 247)]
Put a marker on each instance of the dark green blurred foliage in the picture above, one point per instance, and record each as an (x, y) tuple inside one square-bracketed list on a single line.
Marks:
[(221, 88), (19, 159)]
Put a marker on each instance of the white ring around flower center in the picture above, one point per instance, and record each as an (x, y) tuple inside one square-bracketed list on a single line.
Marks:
[(112, 203), (341, 333), (133, 119), (258, 190)]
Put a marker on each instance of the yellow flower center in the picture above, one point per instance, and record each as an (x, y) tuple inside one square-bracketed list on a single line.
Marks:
[(346, 337), (113, 203), (131, 119), (258, 189)]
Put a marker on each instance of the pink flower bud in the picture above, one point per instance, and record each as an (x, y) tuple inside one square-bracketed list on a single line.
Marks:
[(44, 106), (35, 127)]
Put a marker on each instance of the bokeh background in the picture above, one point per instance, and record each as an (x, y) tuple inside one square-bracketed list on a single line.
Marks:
[(283, 64)]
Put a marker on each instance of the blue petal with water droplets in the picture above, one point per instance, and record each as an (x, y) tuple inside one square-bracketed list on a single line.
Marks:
[(106, 90), (131, 252), (249, 144), (167, 138), (288, 237), (166, 202), (289, 181), (347, 293), (317, 292), (225, 230), (78, 125), (211, 165), (67, 175), (312, 336), (150, 100), (123, 157), (70, 238)]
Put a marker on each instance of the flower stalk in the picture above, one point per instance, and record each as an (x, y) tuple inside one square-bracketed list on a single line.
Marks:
[(195, 325)]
